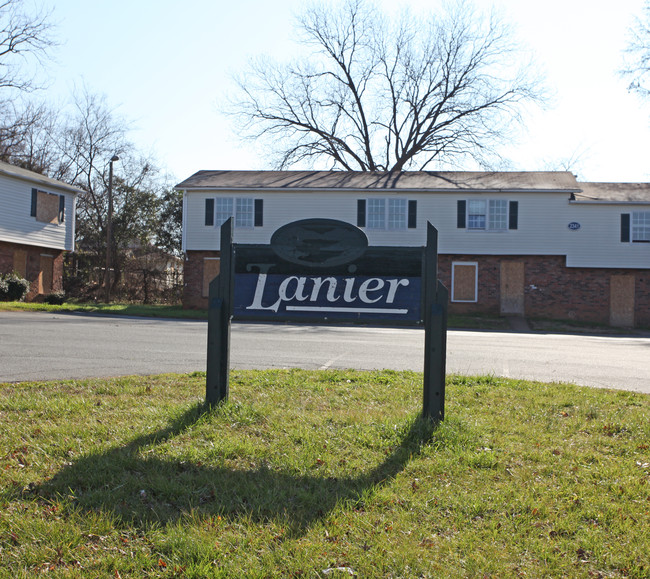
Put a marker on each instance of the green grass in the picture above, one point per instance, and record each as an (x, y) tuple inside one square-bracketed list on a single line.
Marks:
[(302, 472), (153, 310)]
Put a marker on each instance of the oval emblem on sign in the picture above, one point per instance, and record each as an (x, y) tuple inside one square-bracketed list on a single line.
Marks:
[(574, 226), (319, 242)]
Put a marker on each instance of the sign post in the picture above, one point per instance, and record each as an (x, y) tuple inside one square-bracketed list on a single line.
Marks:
[(322, 270)]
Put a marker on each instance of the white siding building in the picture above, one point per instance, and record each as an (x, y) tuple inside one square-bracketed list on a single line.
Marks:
[(37, 225), (538, 244)]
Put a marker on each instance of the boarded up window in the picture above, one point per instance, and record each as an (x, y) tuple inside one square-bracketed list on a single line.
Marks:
[(47, 207), (211, 267), (46, 275), (464, 282), (621, 300), (20, 262)]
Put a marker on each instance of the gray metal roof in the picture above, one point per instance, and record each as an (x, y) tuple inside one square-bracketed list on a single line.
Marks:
[(37, 178), (556, 181), (614, 193)]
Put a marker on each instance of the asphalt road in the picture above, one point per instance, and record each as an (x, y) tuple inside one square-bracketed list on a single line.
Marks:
[(43, 346)]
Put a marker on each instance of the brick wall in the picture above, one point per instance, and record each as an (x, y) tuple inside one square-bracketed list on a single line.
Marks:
[(193, 279), (551, 290), (32, 265)]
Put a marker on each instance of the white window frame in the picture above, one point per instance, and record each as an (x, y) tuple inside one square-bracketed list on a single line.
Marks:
[(244, 212), (640, 227), (242, 209), (489, 214), (387, 213)]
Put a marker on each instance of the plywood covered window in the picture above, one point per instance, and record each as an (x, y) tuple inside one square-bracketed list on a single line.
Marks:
[(211, 268), (48, 207), (464, 281)]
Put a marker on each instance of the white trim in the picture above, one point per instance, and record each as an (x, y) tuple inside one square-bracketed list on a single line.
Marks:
[(184, 229), (464, 263)]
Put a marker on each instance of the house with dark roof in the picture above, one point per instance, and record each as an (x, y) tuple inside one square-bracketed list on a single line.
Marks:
[(37, 225), (535, 244)]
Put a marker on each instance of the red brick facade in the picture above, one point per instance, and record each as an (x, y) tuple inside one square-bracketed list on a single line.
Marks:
[(550, 289), (41, 266)]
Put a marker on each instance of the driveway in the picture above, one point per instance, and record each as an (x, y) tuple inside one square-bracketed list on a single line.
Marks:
[(44, 346)]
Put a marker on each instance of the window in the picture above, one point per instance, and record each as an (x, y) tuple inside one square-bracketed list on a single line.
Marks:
[(376, 214), (641, 226), (487, 214), (464, 281), (498, 214), (245, 211), (476, 215), (48, 207), (211, 268), (223, 207), (382, 213)]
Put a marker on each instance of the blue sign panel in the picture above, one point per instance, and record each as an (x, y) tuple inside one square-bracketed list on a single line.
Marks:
[(328, 297), (574, 226)]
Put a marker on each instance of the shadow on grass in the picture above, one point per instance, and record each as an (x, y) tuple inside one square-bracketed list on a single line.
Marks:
[(151, 489)]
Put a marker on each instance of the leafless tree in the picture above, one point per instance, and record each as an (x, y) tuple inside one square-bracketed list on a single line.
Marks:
[(637, 55), (25, 41), (88, 138), (374, 94), (24, 37)]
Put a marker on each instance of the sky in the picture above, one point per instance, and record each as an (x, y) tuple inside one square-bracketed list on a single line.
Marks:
[(166, 67)]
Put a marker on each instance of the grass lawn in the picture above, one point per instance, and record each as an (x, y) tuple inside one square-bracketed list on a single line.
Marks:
[(153, 310), (322, 474)]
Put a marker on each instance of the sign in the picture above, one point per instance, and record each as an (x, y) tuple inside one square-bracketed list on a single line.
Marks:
[(574, 226), (322, 270)]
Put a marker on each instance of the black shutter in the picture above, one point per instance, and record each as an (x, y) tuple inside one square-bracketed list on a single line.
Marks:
[(625, 227), (513, 216), (413, 214), (209, 211), (460, 216), (259, 212), (61, 208), (361, 213), (34, 201)]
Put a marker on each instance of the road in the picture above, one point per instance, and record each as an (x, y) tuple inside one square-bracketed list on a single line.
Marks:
[(42, 346)]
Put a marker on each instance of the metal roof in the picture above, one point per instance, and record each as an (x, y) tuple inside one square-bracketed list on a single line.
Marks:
[(20, 173), (555, 181), (614, 193)]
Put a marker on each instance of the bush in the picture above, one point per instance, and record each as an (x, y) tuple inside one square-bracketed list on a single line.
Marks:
[(55, 298), (16, 288)]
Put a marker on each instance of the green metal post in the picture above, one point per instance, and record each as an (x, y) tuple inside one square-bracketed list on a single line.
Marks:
[(435, 332), (217, 379)]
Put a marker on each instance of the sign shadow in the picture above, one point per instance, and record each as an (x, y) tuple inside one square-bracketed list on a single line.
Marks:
[(138, 485)]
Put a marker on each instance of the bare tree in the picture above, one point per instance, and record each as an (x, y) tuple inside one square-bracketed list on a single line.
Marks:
[(88, 139), (24, 37), (25, 40), (637, 55), (378, 95)]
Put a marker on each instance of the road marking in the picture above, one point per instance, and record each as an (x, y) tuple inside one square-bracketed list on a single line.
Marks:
[(327, 365)]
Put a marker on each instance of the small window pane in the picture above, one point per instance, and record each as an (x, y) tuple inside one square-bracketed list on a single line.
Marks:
[(476, 214), (641, 226), (245, 213), (223, 210), (397, 214), (376, 214), (498, 214)]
